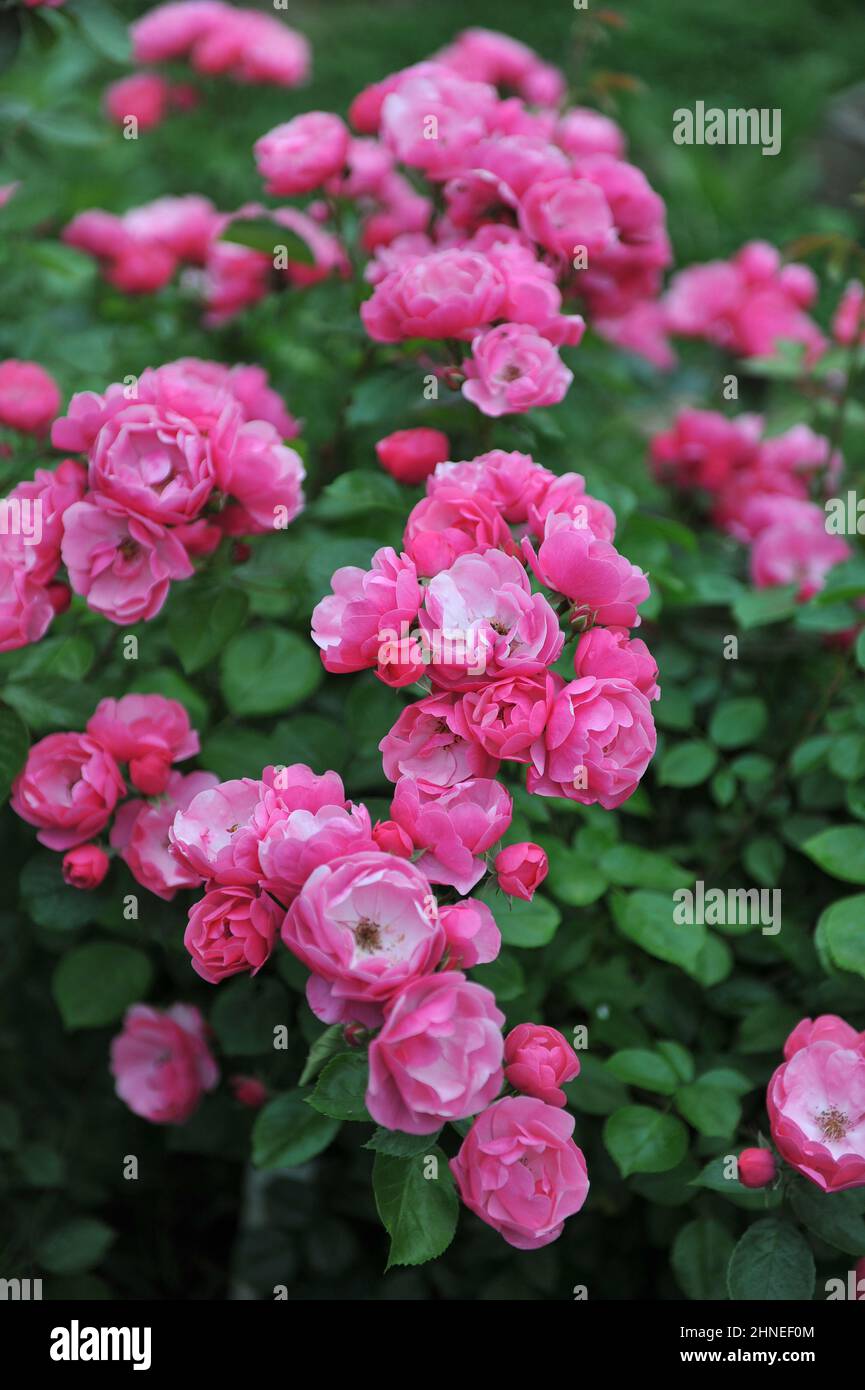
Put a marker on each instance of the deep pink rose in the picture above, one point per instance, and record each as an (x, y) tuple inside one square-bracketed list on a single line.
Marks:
[(513, 482), (142, 95), (612, 652), (454, 828), (584, 131), (826, 1028), (364, 925), (705, 449), (137, 725), (122, 563), (161, 1063), (816, 1104), (29, 397), (231, 930), (446, 294), (438, 1056), (85, 866), (507, 717), (140, 835), (367, 609), (513, 369), (848, 323), (519, 1170), (472, 935), (262, 474), (795, 548), (411, 455), (429, 93), (298, 788), (248, 1091), (302, 154), (441, 528), (68, 787), (390, 838), (521, 869), (218, 833), (428, 744), (484, 55), (566, 496), (159, 467), (602, 584), (25, 608), (599, 740), (36, 508), (757, 1167), (564, 214), (296, 844), (539, 1061)]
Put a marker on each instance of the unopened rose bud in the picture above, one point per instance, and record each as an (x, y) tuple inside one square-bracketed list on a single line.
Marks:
[(150, 773), (411, 455), (249, 1091), (85, 866), (521, 870), (757, 1167), (59, 596), (392, 839), (240, 553)]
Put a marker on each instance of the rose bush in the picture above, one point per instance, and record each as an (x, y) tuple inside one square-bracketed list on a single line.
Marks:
[(430, 670)]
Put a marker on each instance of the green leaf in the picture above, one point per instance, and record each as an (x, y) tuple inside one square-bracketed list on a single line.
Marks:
[(643, 1140), (687, 764), (595, 1091), (739, 722), (358, 493), (104, 29), (50, 901), (572, 878), (202, 622), (709, 1105), (75, 1246), (10, 1128), (713, 1178), (264, 235), (639, 1067), (50, 702), (398, 1145), (94, 984), (14, 746), (235, 751), (771, 1263), (757, 607), (646, 918), (839, 851), (288, 1132), (268, 670), (504, 976), (419, 1213), (679, 1057), (836, 1217), (326, 1045), (341, 1088), (246, 1013), (700, 1256), (842, 929), (520, 923), (763, 857), (630, 866)]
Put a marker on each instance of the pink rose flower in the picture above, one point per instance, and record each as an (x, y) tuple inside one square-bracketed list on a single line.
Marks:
[(520, 1171), (512, 482), (29, 397), (41, 504), (298, 843), (564, 214), (521, 869), (68, 787), (217, 834), (848, 323), (610, 652), (411, 455), (427, 743), (447, 294), (449, 524), (705, 449), (248, 1091), (122, 563), (140, 835), (826, 1028), (264, 475), (231, 930), (471, 934), (25, 608), (513, 369), (430, 92), (161, 1063), (481, 622), (795, 548), (584, 131), (136, 726), (298, 788), (364, 925), (160, 468), (302, 154), (539, 1061), (602, 584), (757, 1167), (454, 828), (352, 624), (142, 95), (566, 496), (816, 1104), (390, 838), (484, 55), (438, 1056), (598, 742), (507, 717), (85, 866)]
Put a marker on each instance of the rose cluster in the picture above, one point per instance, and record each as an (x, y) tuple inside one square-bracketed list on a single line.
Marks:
[(760, 489), (816, 1103), (72, 785), (458, 611), (217, 39)]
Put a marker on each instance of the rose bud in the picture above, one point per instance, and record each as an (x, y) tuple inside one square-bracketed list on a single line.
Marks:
[(85, 866), (538, 1061), (248, 1090), (411, 455), (521, 869), (59, 596), (392, 839), (757, 1167), (150, 773)]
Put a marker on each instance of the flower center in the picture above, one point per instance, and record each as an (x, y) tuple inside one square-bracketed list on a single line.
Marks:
[(367, 935), (499, 627), (128, 548), (834, 1124)]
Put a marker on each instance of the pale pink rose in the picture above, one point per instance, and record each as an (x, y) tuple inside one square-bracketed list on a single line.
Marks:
[(513, 369), (566, 496), (137, 726), (599, 740), (438, 1056), (705, 449), (26, 610), (816, 1104), (584, 131), (29, 397), (513, 482), (352, 624), (539, 1061), (122, 563), (68, 787), (825, 1028), (507, 717), (566, 214), (795, 548), (85, 866), (757, 1168), (365, 926), (848, 323), (521, 869), (453, 827), (40, 504), (161, 1062), (451, 523), (302, 154), (601, 584), (461, 110), (612, 652), (481, 621), (520, 1171), (446, 294), (231, 930), (142, 95), (261, 473), (140, 835), (484, 55), (159, 467), (411, 455), (217, 834), (471, 932), (298, 843), (428, 744)]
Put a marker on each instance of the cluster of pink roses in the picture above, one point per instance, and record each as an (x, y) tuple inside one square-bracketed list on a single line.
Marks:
[(217, 39), (760, 490), (72, 784), (147, 97), (457, 607), (816, 1102)]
